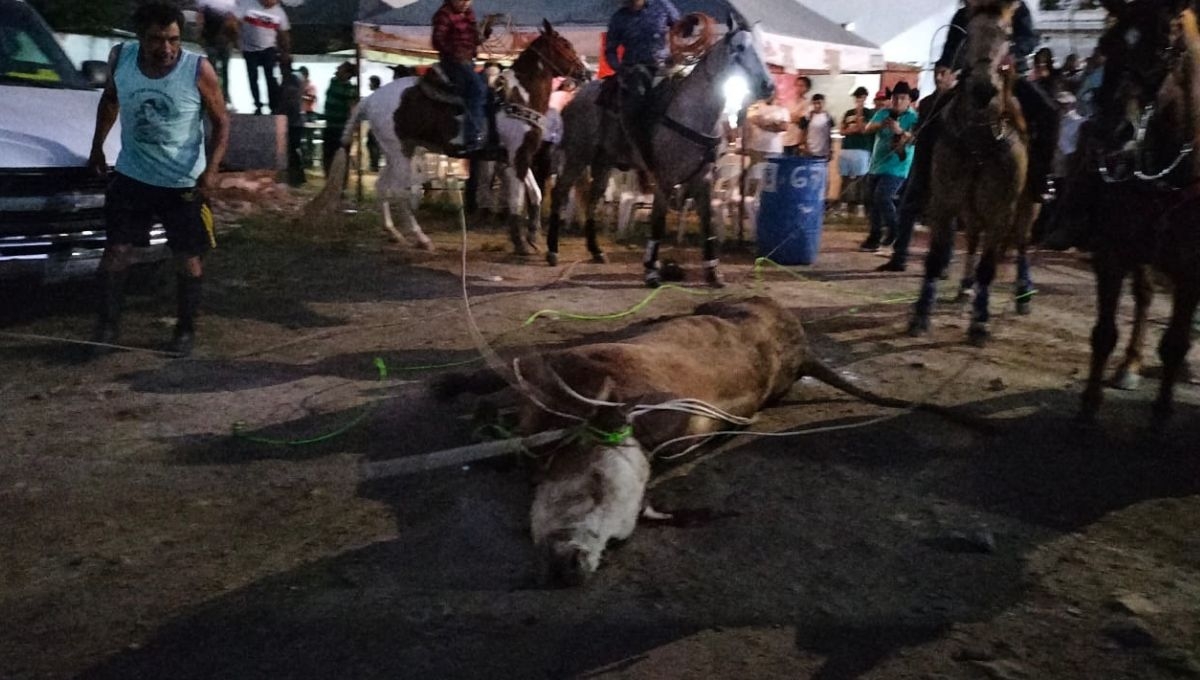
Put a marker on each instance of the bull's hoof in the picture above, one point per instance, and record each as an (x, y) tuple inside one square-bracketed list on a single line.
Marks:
[(551, 258), (978, 334), (1127, 380), (918, 325), (712, 276), (599, 258), (652, 278)]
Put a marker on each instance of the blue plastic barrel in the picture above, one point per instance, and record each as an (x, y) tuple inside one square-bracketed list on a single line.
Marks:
[(791, 209)]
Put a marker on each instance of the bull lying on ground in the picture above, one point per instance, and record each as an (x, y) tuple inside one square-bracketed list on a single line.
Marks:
[(736, 356)]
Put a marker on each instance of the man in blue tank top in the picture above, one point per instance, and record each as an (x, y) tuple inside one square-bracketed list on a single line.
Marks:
[(161, 94)]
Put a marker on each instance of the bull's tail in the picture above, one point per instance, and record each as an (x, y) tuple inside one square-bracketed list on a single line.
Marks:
[(484, 381), (818, 370)]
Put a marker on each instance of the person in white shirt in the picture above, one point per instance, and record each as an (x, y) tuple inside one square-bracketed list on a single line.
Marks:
[(265, 41), (768, 122), (799, 109), (817, 130)]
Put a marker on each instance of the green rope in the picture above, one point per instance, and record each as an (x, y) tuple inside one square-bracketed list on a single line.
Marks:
[(895, 299), (239, 426), (611, 438), (606, 317)]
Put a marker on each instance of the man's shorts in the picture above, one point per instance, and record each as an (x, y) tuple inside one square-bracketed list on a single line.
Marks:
[(132, 207)]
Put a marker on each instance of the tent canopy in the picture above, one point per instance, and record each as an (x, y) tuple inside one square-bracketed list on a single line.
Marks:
[(795, 37)]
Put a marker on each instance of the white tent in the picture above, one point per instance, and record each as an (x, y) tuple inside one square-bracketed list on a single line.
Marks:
[(795, 37)]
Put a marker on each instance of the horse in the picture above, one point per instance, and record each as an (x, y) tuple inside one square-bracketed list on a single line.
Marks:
[(1141, 186), (426, 114), (979, 176), (683, 139)]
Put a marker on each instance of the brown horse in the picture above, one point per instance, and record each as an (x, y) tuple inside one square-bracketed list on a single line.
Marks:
[(980, 161), (1142, 189), (429, 116)]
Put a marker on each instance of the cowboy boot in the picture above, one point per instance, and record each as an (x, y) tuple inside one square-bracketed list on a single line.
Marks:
[(112, 297), (712, 275)]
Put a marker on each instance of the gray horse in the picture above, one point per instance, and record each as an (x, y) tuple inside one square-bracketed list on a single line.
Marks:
[(683, 140)]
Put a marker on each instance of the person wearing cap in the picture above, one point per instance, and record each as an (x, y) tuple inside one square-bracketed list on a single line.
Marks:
[(401, 71), (340, 97), (635, 45), (855, 158), (916, 189), (890, 163), (456, 38)]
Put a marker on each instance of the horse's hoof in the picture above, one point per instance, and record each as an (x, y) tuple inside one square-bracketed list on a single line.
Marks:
[(552, 258), (531, 243), (964, 296), (712, 276), (1024, 307), (425, 244), (1127, 380), (1161, 411), (521, 249), (978, 334), (599, 258), (652, 278), (918, 325)]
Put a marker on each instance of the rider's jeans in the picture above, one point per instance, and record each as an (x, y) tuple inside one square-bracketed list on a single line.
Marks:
[(470, 84)]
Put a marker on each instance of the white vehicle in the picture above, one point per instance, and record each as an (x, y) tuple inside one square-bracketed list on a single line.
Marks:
[(51, 206)]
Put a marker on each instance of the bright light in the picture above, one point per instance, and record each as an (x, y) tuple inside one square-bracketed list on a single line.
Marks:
[(736, 91)]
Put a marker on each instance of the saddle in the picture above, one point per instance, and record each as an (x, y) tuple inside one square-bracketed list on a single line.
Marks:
[(435, 86)]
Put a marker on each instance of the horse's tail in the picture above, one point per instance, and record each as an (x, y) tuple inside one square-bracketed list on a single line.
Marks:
[(818, 370)]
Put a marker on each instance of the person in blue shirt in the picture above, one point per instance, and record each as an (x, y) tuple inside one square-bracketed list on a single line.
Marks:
[(891, 159), (636, 47), (161, 93)]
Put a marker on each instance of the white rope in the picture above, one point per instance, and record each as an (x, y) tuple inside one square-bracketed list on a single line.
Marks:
[(92, 343)]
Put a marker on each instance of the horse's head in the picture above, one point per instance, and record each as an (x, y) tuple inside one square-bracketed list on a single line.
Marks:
[(988, 33), (741, 51), (558, 54), (1140, 49)]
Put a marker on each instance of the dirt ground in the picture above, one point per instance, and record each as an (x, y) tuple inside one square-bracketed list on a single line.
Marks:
[(143, 538)]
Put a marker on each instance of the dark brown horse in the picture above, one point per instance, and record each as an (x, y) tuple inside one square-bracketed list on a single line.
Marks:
[(1140, 191), (429, 117)]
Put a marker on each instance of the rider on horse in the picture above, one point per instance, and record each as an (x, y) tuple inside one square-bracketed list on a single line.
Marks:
[(640, 28), (456, 39), (1040, 113)]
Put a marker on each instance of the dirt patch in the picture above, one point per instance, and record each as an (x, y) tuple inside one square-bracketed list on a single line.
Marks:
[(143, 538)]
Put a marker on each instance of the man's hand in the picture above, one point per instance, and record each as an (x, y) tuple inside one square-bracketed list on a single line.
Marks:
[(97, 164), (208, 179)]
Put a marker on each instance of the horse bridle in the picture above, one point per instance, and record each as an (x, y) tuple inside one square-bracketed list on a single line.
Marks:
[(542, 57), (1139, 138)]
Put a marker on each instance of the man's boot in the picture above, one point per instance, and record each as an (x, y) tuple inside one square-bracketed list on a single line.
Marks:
[(112, 297), (185, 325)]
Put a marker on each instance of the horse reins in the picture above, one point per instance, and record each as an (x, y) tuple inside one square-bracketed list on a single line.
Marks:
[(1139, 139)]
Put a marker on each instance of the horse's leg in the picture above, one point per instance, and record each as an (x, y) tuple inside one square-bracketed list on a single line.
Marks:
[(395, 180), (941, 244), (1173, 348), (1027, 212), (966, 284), (1129, 373), (985, 273), (600, 175), (559, 204), (1109, 277), (701, 192), (533, 203), (513, 188), (658, 229)]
